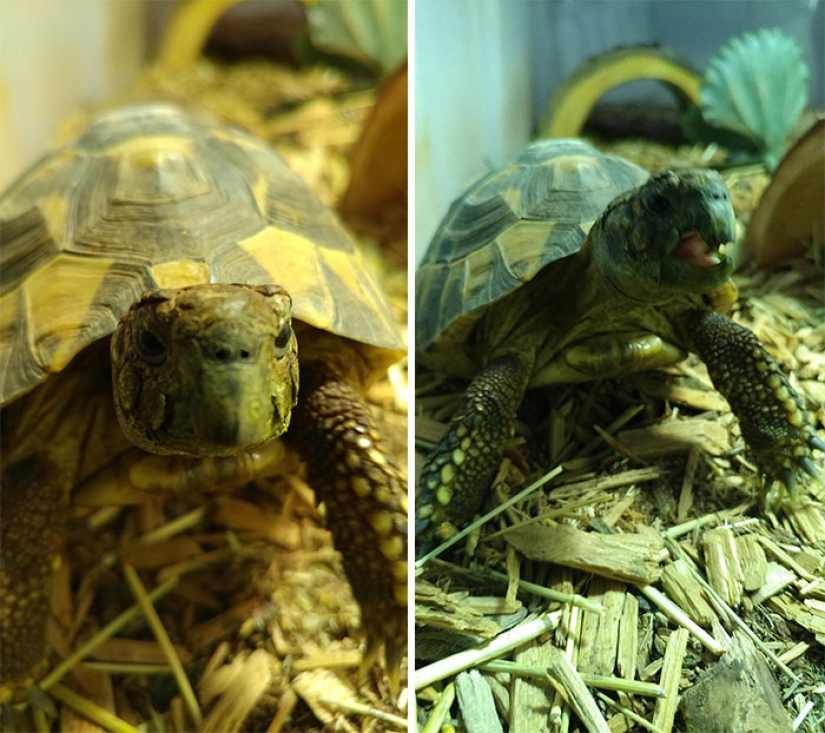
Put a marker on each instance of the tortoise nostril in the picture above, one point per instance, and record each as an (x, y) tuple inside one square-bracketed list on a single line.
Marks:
[(229, 353)]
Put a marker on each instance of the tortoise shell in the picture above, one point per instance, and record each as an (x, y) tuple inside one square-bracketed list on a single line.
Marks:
[(150, 198), (507, 227)]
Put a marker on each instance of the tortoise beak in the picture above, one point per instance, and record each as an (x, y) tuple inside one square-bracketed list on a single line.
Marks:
[(238, 406)]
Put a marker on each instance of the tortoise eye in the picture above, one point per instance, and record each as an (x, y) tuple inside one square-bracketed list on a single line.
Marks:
[(658, 204), (282, 340), (150, 348)]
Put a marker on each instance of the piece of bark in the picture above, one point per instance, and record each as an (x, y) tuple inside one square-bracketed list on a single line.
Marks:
[(738, 694), (753, 561), (665, 439), (531, 697), (789, 218), (808, 615), (236, 688), (634, 558), (722, 565), (627, 657), (665, 710), (450, 611), (475, 700), (578, 694), (685, 590), (600, 631), (378, 172)]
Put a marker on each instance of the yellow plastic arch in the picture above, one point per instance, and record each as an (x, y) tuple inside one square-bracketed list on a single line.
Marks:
[(188, 29), (570, 107)]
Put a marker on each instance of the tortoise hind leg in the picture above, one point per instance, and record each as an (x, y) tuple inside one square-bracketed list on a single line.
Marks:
[(33, 511), (457, 475), (355, 476)]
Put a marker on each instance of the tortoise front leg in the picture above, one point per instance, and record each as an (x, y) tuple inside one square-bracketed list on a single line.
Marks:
[(771, 414), (33, 510), (356, 477), (457, 475), (135, 475)]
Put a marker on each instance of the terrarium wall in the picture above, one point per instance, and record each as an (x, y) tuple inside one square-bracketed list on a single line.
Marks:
[(486, 69)]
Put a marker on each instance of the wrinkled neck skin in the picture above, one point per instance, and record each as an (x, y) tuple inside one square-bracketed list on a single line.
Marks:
[(604, 281)]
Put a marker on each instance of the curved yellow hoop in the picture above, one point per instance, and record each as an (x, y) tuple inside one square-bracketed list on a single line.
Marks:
[(188, 30), (571, 105)]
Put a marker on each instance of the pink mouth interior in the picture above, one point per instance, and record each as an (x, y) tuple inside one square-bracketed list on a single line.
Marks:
[(695, 250)]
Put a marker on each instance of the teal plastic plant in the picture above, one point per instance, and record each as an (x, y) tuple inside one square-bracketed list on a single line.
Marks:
[(754, 89), (373, 32)]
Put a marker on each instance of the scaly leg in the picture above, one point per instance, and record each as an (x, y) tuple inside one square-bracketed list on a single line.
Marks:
[(33, 509), (365, 493), (771, 414), (457, 475)]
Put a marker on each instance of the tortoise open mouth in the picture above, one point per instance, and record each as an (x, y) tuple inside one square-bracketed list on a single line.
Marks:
[(695, 249), (697, 263)]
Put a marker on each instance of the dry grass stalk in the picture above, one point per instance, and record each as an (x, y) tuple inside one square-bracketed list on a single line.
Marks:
[(678, 616), (89, 711), (159, 630), (499, 646)]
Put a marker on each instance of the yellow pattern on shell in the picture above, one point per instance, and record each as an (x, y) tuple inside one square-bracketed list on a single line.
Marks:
[(180, 273), (283, 255), (62, 295)]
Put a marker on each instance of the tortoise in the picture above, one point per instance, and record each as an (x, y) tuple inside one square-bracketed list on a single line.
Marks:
[(570, 266), (151, 271)]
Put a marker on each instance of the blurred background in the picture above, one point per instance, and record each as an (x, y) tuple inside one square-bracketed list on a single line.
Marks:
[(486, 71)]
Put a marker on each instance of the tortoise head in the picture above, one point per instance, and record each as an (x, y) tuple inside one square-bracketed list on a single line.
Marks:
[(206, 370), (663, 238)]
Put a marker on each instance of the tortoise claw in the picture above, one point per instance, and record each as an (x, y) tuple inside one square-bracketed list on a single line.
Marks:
[(788, 480), (809, 467), (815, 442)]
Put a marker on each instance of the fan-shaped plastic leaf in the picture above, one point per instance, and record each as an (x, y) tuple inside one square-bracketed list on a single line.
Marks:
[(757, 85), (372, 31)]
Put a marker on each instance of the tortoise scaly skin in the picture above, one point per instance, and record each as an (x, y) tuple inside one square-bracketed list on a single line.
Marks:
[(178, 312), (571, 266)]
